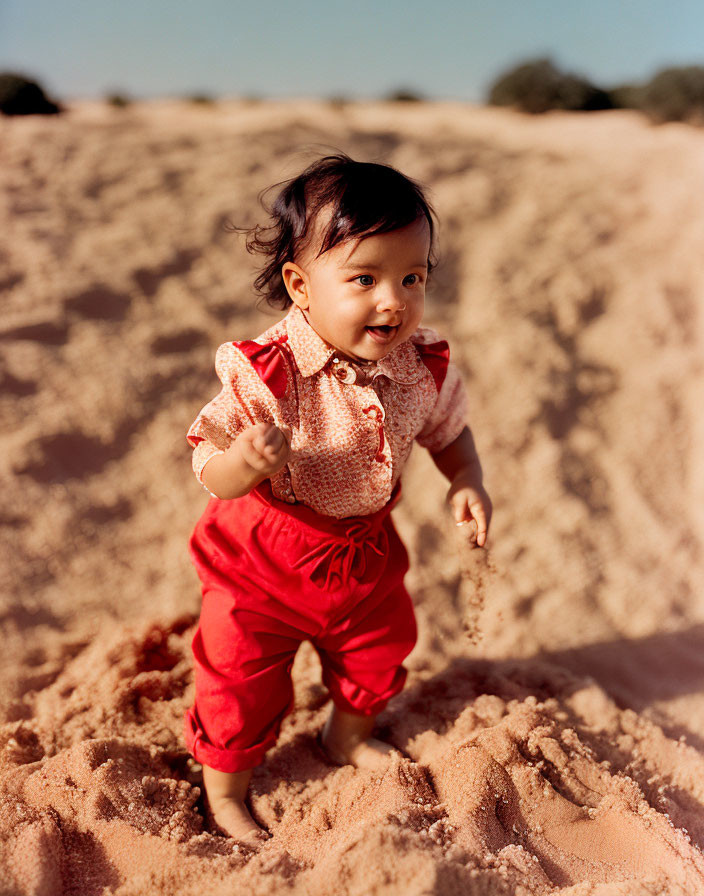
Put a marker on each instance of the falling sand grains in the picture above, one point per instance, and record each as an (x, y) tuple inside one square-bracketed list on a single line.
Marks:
[(477, 573)]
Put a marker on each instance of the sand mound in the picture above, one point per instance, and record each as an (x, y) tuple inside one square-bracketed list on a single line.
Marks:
[(553, 720)]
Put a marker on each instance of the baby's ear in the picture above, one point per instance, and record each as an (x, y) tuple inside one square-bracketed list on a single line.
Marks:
[(296, 284)]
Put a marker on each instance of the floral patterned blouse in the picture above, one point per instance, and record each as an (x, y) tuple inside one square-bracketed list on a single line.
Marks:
[(352, 424)]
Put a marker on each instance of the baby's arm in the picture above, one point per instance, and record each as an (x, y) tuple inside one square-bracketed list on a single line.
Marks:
[(451, 444), (257, 453), (459, 462)]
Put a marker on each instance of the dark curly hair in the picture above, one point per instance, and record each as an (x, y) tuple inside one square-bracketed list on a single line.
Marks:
[(366, 198)]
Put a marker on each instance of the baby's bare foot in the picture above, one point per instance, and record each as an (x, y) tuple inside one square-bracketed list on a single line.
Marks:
[(370, 753), (233, 817)]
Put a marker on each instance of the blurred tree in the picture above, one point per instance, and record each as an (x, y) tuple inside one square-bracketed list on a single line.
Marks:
[(404, 96), (627, 96), (118, 99), (675, 94), (538, 86), (21, 96), (202, 99)]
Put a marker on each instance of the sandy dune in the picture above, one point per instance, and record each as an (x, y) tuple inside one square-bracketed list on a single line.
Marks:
[(556, 736)]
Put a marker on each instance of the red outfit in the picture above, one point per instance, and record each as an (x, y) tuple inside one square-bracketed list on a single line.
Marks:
[(274, 575), (312, 553)]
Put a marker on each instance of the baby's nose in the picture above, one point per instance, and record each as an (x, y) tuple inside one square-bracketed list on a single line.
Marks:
[(391, 299)]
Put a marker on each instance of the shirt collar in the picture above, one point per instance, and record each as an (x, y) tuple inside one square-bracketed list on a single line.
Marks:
[(312, 352)]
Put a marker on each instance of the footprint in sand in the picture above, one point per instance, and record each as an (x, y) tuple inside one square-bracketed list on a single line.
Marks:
[(525, 783), (63, 455), (150, 279), (179, 341), (47, 332), (98, 302), (12, 385), (11, 280)]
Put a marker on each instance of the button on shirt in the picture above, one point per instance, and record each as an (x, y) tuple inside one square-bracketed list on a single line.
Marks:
[(352, 424)]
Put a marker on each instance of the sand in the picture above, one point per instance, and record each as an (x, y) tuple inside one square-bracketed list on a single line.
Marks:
[(552, 725)]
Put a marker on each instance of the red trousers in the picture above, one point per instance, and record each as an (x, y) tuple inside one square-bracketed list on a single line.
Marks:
[(273, 575)]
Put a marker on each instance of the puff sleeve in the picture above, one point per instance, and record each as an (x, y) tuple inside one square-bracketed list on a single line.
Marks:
[(449, 414), (243, 401)]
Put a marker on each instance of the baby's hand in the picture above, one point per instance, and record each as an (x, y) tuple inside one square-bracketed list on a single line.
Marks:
[(264, 447), (470, 505)]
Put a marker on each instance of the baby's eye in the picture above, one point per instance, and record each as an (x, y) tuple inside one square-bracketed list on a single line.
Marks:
[(412, 280), (365, 279)]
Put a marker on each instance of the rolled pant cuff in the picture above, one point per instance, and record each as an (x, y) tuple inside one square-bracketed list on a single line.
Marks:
[(359, 701), (222, 760)]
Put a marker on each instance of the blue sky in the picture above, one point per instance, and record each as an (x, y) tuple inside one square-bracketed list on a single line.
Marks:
[(443, 49)]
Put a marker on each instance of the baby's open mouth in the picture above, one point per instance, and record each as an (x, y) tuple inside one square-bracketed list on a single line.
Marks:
[(382, 333)]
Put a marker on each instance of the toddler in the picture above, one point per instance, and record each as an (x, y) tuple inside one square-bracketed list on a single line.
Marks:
[(302, 451)]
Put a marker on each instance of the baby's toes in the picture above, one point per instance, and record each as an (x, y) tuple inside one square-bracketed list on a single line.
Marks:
[(254, 839)]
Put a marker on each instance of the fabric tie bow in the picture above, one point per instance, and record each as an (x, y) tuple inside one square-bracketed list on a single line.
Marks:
[(341, 560)]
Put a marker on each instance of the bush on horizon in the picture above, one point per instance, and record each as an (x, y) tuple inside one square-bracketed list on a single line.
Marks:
[(627, 96), (538, 86), (404, 96), (21, 96), (118, 100), (675, 94), (201, 99)]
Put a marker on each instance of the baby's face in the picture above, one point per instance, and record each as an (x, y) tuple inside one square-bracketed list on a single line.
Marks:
[(365, 296)]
